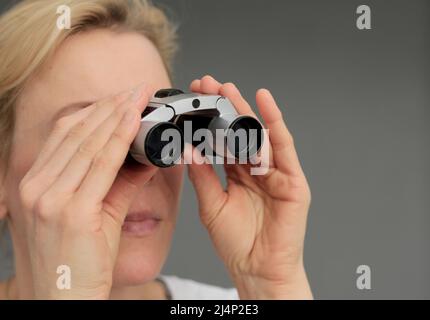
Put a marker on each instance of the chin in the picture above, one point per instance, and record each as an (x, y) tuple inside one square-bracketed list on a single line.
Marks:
[(141, 258)]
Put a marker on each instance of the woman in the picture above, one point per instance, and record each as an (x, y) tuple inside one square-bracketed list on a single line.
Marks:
[(70, 105)]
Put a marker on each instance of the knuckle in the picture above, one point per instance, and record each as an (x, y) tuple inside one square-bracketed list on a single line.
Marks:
[(116, 99), (88, 148), (44, 207), (110, 104), (101, 161), (207, 77), (119, 136), (289, 139), (26, 193), (120, 111), (230, 87), (62, 124), (76, 131)]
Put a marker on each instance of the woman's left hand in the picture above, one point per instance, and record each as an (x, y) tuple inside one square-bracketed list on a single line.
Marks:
[(258, 222)]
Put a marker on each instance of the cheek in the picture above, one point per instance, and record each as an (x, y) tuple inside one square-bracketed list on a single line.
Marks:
[(27, 143), (23, 155), (30, 135), (21, 160), (165, 191), (173, 179)]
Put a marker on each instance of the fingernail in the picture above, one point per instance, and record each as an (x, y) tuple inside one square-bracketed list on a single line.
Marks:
[(136, 93)]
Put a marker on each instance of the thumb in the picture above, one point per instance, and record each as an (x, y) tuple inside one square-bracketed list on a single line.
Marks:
[(210, 192), (128, 184), (117, 202)]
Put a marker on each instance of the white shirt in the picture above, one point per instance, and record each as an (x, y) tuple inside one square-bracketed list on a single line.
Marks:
[(187, 289)]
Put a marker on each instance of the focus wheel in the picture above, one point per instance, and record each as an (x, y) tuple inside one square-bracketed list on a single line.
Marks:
[(164, 93)]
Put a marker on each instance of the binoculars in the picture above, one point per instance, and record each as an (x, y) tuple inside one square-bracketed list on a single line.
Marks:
[(173, 118)]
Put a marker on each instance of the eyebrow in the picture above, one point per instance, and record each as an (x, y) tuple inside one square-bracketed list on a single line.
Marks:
[(71, 107)]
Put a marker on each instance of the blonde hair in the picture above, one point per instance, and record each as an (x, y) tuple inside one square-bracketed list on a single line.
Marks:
[(29, 36)]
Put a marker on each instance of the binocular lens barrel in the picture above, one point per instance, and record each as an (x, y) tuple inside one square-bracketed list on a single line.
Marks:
[(244, 137), (158, 143), (162, 143)]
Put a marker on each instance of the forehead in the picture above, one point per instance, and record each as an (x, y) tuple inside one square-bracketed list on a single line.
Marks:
[(92, 65)]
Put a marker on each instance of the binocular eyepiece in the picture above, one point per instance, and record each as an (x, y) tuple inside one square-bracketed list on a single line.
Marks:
[(173, 118)]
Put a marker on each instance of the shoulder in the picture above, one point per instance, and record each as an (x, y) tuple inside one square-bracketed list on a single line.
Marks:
[(188, 289)]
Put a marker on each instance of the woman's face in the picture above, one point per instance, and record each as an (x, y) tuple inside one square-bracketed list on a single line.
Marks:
[(86, 68)]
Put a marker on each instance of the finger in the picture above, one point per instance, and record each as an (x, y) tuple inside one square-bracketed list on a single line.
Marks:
[(150, 89), (195, 86), (230, 91), (68, 126), (284, 152), (209, 85), (107, 163), (75, 137), (210, 192), (63, 126), (56, 137), (75, 171)]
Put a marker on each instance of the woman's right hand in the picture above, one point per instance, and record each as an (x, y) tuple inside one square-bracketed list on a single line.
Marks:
[(76, 196)]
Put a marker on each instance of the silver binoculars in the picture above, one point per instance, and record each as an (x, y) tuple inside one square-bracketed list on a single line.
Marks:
[(173, 118)]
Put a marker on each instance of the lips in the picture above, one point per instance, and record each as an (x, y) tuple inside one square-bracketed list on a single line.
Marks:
[(140, 224)]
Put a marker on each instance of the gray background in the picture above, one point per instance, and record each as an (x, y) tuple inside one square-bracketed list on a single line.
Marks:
[(358, 106)]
